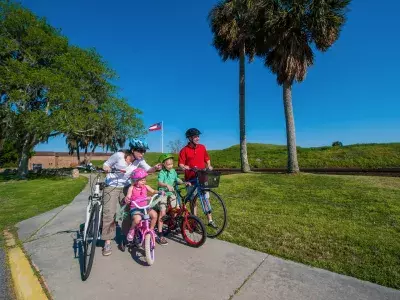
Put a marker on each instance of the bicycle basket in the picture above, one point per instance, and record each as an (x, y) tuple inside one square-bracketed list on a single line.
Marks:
[(209, 179)]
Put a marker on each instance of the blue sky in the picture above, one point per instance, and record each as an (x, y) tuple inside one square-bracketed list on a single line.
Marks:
[(167, 68)]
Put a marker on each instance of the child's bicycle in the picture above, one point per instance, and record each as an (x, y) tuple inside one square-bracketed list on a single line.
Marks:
[(143, 235), (191, 227)]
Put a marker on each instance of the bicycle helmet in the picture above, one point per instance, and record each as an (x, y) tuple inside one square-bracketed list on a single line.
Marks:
[(164, 157), (138, 174), (138, 145), (192, 132)]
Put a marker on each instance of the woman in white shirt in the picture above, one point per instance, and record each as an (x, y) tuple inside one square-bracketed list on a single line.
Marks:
[(125, 163)]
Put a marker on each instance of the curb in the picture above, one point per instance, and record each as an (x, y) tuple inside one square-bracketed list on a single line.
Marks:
[(26, 283)]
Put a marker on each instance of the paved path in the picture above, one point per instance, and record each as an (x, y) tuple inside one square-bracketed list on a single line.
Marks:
[(5, 292), (217, 270)]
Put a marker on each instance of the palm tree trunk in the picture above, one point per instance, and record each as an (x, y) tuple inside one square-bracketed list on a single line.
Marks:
[(245, 167), (293, 166)]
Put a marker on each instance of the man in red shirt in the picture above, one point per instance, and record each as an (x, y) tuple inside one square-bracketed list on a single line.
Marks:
[(194, 155)]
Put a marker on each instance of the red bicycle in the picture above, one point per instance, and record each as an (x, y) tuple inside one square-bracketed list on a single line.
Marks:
[(192, 228)]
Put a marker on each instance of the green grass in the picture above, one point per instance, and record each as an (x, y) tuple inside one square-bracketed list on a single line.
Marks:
[(20, 200), (346, 224), (275, 156)]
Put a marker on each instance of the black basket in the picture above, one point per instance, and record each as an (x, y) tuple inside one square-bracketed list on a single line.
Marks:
[(209, 179)]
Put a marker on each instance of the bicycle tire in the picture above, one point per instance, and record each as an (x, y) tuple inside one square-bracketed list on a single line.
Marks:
[(149, 249), (188, 223), (94, 226), (211, 233)]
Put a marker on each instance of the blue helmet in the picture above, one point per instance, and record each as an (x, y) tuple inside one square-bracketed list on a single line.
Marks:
[(138, 145)]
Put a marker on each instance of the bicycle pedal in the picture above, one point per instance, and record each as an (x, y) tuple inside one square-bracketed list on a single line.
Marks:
[(165, 218)]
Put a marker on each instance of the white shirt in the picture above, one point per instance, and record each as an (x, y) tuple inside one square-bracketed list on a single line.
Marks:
[(117, 161)]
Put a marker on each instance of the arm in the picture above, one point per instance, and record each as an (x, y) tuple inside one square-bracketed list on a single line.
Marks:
[(143, 164), (207, 159), (109, 163), (161, 183), (128, 195), (182, 160), (151, 190)]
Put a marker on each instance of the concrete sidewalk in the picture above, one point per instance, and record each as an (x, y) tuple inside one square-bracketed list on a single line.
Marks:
[(217, 270)]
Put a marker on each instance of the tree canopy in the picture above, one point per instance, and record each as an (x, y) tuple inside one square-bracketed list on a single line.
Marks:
[(49, 87)]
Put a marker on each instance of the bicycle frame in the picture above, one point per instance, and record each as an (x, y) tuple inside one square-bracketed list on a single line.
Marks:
[(93, 199), (205, 204), (144, 225)]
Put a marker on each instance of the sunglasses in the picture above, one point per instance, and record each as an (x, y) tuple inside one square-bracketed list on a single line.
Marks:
[(140, 151)]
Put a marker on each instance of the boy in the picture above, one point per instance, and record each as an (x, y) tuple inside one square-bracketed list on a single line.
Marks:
[(167, 178)]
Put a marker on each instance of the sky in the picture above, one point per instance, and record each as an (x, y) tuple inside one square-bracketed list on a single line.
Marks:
[(168, 68)]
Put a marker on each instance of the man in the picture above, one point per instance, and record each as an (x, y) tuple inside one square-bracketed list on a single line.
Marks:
[(194, 155)]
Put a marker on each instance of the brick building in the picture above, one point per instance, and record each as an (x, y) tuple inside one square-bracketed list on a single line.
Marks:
[(49, 160)]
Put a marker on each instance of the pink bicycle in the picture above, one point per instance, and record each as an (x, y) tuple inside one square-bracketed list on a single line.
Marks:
[(145, 236)]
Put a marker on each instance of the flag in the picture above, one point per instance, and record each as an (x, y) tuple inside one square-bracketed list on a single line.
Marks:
[(155, 127)]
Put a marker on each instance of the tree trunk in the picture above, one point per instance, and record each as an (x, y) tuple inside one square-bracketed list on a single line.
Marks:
[(24, 158), (293, 166), (77, 153), (85, 159), (245, 167), (91, 153)]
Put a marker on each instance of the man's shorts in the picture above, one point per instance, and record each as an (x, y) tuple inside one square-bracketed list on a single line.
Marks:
[(163, 204)]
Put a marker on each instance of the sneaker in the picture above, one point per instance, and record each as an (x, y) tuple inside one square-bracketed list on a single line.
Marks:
[(162, 241), (212, 224), (130, 235), (107, 250)]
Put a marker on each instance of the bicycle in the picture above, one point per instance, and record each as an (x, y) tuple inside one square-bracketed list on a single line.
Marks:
[(91, 230), (180, 217), (210, 202), (143, 233)]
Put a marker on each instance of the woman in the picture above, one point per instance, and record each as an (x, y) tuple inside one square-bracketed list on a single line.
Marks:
[(125, 163)]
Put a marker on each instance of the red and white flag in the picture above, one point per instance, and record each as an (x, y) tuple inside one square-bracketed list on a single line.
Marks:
[(155, 127)]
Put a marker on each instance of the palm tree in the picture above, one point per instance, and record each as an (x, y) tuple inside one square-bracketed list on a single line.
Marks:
[(288, 49), (232, 24)]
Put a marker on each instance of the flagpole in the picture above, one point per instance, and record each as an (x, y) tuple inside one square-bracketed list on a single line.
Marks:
[(162, 136)]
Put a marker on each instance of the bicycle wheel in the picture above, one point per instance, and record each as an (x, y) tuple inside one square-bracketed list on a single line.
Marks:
[(89, 244), (193, 231), (149, 249), (213, 205)]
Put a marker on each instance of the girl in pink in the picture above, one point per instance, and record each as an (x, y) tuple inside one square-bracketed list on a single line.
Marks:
[(137, 193)]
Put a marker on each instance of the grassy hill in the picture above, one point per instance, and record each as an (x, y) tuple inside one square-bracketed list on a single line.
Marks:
[(275, 156)]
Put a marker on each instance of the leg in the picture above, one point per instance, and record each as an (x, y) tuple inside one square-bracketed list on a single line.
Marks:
[(136, 218), (126, 223), (111, 198), (163, 209), (153, 218)]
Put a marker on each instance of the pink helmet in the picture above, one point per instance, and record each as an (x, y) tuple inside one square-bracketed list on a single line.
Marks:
[(138, 174)]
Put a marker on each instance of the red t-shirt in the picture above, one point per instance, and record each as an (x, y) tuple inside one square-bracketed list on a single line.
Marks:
[(193, 157)]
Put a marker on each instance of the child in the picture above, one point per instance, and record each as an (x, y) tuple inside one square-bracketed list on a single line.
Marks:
[(137, 193), (166, 181)]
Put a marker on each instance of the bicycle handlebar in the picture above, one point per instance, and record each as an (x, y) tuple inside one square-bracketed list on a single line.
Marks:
[(150, 204)]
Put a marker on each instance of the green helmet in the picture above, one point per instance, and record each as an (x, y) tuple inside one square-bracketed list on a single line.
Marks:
[(164, 157)]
